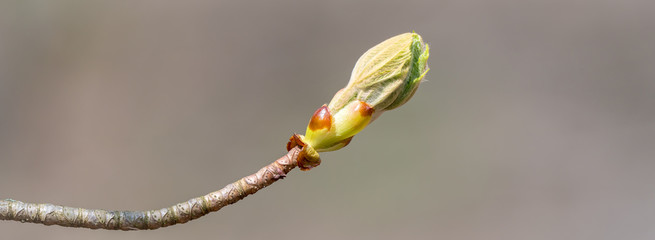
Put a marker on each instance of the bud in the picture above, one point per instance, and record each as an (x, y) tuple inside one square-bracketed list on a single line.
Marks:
[(384, 78), (387, 75)]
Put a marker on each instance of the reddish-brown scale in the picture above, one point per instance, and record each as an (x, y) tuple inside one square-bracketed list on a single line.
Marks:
[(347, 141), (364, 109), (321, 119), (294, 141), (302, 162)]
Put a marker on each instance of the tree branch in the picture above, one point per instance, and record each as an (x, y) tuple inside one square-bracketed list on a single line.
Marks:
[(50, 214), (384, 78)]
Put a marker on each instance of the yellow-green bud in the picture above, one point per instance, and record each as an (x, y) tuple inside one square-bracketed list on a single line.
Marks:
[(384, 78), (387, 75)]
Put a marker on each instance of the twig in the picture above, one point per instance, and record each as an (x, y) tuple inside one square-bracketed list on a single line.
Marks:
[(384, 78), (50, 214)]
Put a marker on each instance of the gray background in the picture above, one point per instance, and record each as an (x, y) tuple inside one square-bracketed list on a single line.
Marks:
[(537, 120)]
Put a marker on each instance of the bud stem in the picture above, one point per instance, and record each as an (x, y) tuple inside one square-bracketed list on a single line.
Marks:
[(49, 214)]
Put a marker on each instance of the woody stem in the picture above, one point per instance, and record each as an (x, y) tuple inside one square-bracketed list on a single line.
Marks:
[(50, 214)]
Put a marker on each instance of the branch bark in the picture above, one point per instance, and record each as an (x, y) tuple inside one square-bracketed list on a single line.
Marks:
[(50, 214)]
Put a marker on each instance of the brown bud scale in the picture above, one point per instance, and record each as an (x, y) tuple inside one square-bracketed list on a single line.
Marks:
[(321, 119), (364, 109)]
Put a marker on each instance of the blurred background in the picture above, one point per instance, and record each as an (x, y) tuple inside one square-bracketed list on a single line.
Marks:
[(537, 119)]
